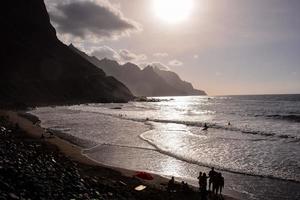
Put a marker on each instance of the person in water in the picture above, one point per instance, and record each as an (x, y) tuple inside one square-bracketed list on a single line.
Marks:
[(205, 127)]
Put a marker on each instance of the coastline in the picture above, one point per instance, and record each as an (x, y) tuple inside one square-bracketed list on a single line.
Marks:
[(156, 188)]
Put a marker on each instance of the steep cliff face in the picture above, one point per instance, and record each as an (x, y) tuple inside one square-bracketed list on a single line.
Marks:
[(147, 82), (37, 69), (173, 79)]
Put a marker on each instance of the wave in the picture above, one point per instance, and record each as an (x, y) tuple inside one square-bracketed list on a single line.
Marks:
[(191, 161), (72, 139), (228, 128), (91, 146), (96, 148), (293, 118), (201, 124)]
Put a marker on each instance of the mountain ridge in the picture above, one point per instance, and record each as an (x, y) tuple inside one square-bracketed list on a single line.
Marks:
[(149, 81)]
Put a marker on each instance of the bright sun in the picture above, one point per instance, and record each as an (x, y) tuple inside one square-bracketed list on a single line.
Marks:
[(173, 11)]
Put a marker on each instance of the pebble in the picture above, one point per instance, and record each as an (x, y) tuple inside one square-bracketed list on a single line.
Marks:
[(13, 196)]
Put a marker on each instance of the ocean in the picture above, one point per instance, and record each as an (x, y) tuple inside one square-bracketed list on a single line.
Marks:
[(254, 140)]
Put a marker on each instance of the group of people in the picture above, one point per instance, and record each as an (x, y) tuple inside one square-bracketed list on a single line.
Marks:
[(173, 187), (215, 182)]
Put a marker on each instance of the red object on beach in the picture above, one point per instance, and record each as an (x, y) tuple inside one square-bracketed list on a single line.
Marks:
[(144, 175)]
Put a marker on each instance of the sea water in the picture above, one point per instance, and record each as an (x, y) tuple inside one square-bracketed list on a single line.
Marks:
[(253, 140)]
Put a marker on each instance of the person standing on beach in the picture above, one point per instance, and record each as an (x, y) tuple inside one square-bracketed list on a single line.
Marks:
[(203, 186), (217, 182), (204, 182), (199, 180), (171, 185), (221, 183), (211, 176)]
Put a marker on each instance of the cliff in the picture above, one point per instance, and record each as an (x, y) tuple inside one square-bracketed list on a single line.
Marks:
[(149, 81), (38, 69), (173, 79)]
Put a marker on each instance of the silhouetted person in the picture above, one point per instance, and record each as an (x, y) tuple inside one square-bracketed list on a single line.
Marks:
[(204, 182), (221, 183), (203, 185), (217, 182), (205, 127), (199, 180), (171, 184), (184, 187), (211, 175)]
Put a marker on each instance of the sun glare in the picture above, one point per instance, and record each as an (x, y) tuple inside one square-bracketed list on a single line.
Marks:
[(173, 11)]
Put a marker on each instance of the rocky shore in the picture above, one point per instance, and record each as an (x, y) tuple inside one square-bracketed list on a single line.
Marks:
[(36, 169)]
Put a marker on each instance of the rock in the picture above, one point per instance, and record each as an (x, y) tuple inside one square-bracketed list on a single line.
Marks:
[(13, 196)]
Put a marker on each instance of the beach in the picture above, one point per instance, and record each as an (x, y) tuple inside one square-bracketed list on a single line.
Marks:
[(39, 165), (257, 154)]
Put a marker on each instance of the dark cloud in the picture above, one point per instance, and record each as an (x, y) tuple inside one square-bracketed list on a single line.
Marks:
[(91, 19)]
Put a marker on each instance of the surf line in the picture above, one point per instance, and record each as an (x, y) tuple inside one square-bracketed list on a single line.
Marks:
[(94, 148), (195, 162)]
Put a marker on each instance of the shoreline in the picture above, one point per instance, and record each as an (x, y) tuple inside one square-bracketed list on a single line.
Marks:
[(30, 126)]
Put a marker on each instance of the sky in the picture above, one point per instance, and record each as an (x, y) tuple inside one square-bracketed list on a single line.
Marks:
[(225, 47)]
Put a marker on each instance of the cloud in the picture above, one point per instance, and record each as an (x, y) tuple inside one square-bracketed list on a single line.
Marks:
[(95, 20), (160, 66), (175, 63), (105, 52), (157, 65), (128, 56), (121, 56), (161, 54), (196, 56)]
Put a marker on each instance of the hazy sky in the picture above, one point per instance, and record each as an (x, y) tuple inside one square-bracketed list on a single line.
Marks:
[(221, 46)]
